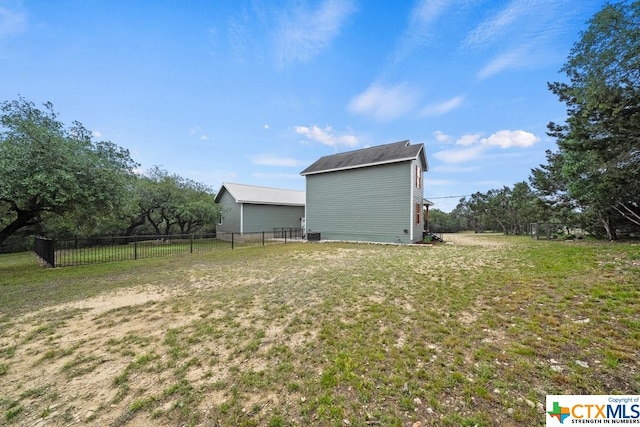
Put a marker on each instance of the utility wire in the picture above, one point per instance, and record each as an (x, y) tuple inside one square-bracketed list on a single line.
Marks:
[(449, 197)]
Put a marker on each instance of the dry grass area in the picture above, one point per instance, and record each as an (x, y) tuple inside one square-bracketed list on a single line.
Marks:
[(472, 332)]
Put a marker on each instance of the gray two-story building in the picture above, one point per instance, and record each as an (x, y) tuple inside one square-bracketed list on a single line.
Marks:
[(373, 194)]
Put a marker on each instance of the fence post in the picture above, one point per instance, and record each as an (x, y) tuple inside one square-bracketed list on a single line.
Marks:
[(135, 247), (52, 253), (191, 246), (285, 236), (263, 238), (232, 239)]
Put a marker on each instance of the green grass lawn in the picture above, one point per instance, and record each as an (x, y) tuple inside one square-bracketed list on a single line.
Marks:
[(476, 332), (69, 252)]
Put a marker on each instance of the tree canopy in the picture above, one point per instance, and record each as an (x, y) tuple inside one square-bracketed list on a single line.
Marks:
[(167, 202), (47, 168), (56, 179), (510, 210), (598, 160)]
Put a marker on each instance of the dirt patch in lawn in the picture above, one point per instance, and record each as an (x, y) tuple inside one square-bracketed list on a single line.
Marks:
[(462, 333), (477, 239), (71, 354)]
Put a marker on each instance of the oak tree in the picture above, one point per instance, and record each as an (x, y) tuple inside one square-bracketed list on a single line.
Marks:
[(47, 168)]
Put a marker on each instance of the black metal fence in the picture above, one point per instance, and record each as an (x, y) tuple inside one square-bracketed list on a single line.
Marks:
[(45, 249), (287, 233), (95, 250)]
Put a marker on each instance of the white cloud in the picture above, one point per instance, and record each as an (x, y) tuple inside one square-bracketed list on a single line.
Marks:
[(96, 134), (303, 33), (240, 36), (266, 126), (443, 107), (326, 136), (426, 11), (460, 155), (517, 58), (510, 138), (287, 34), (269, 160), (526, 32), (441, 136), (474, 146), (418, 27), (491, 29), (468, 139), (11, 23), (384, 103), (522, 20), (197, 132)]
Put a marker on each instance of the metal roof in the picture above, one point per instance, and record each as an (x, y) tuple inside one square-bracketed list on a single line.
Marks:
[(378, 155), (262, 195)]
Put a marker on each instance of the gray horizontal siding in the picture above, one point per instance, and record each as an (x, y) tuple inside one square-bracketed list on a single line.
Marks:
[(230, 214), (366, 204), (418, 198), (268, 217), (256, 218)]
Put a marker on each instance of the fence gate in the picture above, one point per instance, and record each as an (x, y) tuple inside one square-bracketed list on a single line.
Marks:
[(46, 250)]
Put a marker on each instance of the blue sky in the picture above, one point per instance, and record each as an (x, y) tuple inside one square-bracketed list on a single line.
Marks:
[(253, 92)]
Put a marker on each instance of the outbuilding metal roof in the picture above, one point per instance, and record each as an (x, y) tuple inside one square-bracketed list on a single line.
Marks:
[(262, 195), (378, 155)]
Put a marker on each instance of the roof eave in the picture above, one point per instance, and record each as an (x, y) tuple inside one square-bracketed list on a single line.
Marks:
[(219, 195), (423, 156), (365, 165), (262, 202)]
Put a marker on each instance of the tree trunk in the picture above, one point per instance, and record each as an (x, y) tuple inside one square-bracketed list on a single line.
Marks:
[(611, 232), (167, 228), (155, 226), (504, 227), (130, 229), (193, 226), (24, 219)]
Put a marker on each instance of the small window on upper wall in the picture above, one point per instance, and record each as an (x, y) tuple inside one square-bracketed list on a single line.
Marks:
[(418, 177)]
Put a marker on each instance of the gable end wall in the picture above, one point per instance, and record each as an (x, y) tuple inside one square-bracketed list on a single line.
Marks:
[(365, 204), (417, 199), (230, 214)]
